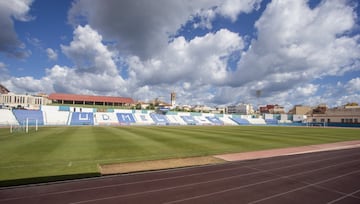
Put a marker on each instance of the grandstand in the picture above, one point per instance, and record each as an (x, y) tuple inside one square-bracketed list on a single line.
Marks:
[(64, 115), (108, 118), (53, 115), (33, 117), (7, 118), (81, 118), (75, 116)]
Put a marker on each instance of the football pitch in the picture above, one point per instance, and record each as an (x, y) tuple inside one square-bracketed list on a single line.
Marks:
[(57, 153)]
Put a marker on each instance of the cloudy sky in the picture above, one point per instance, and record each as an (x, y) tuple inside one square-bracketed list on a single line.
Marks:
[(213, 52)]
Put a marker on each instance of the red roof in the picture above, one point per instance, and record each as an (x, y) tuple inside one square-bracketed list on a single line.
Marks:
[(90, 98)]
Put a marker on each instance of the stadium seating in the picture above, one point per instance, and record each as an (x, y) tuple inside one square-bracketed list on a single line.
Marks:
[(176, 120), (189, 120), (256, 121), (105, 118), (215, 120), (159, 119), (143, 119), (56, 117), (125, 118), (7, 118), (240, 121), (68, 115), (202, 120), (227, 121), (82, 118), (32, 116), (271, 121)]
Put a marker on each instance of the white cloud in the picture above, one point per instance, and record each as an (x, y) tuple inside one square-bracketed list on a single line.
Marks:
[(9, 42), (95, 71), (89, 53), (143, 27), (202, 60), (297, 44), (306, 90), (294, 45), (353, 86), (52, 54), (232, 8), (4, 72)]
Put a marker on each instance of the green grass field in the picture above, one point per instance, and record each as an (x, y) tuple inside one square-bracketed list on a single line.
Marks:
[(61, 152)]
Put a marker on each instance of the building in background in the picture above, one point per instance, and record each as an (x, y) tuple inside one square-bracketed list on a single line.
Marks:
[(61, 98), (241, 109), (3, 89), (300, 110), (272, 109), (25, 101), (173, 99), (343, 114)]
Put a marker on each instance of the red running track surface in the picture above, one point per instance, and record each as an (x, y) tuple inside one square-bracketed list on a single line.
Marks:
[(323, 177)]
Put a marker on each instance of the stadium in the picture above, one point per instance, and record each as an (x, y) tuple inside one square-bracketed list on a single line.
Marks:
[(100, 137)]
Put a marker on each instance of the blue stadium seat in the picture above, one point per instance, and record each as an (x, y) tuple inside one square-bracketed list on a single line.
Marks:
[(271, 121), (31, 115), (190, 120), (82, 118), (240, 121), (126, 118), (215, 120), (159, 119)]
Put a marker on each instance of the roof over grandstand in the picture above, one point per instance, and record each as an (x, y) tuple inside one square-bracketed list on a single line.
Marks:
[(90, 98), (3, 89)]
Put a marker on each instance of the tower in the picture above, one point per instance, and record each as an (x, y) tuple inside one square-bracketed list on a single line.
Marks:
[(173, 99)]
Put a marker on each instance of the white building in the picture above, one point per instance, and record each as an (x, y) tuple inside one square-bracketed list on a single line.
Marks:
[(23, 101), (241, 109)]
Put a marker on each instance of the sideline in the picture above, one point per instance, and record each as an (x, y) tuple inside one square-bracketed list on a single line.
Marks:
[(288, 151), (132, 167)]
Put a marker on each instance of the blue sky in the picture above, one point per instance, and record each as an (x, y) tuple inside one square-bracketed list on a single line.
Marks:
[(215, 52)]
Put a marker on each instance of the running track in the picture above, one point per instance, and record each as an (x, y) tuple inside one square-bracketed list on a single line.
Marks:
[(323, 177)]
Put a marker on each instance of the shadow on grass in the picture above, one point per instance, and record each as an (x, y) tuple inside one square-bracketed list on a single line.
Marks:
[(42, 180)]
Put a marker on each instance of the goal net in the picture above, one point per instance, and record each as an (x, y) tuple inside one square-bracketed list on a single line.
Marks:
[(25, 126)]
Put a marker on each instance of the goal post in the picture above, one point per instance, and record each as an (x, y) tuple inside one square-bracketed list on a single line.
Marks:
[(25, 126)]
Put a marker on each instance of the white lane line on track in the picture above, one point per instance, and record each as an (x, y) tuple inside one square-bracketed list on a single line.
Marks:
[(211, 181), (304, 187), (270, 180), (177, 177), (345, 196)]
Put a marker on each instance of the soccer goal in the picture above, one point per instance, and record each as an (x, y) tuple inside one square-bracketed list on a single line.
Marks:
[(25, 126)]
